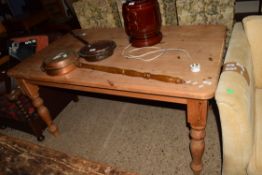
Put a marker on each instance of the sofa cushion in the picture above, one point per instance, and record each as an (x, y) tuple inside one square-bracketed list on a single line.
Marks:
[(253, 28), (255, 165)]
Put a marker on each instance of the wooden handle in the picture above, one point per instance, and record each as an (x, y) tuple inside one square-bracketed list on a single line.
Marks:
[(132, 73)]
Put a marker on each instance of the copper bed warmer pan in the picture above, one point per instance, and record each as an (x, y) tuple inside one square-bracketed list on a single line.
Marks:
[(65, 62)]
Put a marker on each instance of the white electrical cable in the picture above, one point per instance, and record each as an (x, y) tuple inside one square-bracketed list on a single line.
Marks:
[(155, 50)]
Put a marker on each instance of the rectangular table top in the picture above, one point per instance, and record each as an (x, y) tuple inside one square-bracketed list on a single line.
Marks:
[(202, 44)]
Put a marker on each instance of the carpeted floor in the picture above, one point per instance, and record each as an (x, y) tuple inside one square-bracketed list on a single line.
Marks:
[(150, 138)]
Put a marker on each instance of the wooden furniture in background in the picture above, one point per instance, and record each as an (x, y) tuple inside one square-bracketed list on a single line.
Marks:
[(61, 16), (4, 10), (4, 59), (27, 22), (55, 8), (16, 110), (3, 76), (204, 44)]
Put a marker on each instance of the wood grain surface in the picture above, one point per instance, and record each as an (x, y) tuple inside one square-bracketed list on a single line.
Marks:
[(21, 157), (204, 43)]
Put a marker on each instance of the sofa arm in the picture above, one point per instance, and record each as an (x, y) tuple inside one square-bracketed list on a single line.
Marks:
[(234, 97)]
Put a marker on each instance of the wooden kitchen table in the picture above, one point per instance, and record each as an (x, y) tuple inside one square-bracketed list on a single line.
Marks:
[(202, 44)]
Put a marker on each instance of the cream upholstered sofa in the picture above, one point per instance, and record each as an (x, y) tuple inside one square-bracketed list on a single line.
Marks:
[(239, 99)]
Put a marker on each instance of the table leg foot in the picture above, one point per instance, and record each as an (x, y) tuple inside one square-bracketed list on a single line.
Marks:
[(44, 114), (53, 129), (32, 92), (197, 146)]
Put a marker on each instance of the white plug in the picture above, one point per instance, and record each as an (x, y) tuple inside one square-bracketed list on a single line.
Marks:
[(195, 67)]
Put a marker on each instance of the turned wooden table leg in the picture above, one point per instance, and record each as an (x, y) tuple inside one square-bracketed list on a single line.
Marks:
[(197, 115), (32, 92)]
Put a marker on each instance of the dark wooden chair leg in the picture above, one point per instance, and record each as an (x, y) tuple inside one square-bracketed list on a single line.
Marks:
[(2, 126), (8, 84), (36, 128), (30, 118), (75, 98)]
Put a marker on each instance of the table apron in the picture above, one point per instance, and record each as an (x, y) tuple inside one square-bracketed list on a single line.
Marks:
[(117, 92)]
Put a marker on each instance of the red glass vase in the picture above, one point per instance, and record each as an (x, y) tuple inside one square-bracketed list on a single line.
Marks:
[(142, 22)]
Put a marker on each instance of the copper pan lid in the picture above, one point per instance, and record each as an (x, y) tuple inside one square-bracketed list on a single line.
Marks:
[(60, 64), (97, 50)]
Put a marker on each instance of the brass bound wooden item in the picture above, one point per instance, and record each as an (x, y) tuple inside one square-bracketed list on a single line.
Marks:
[(142, 22)]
